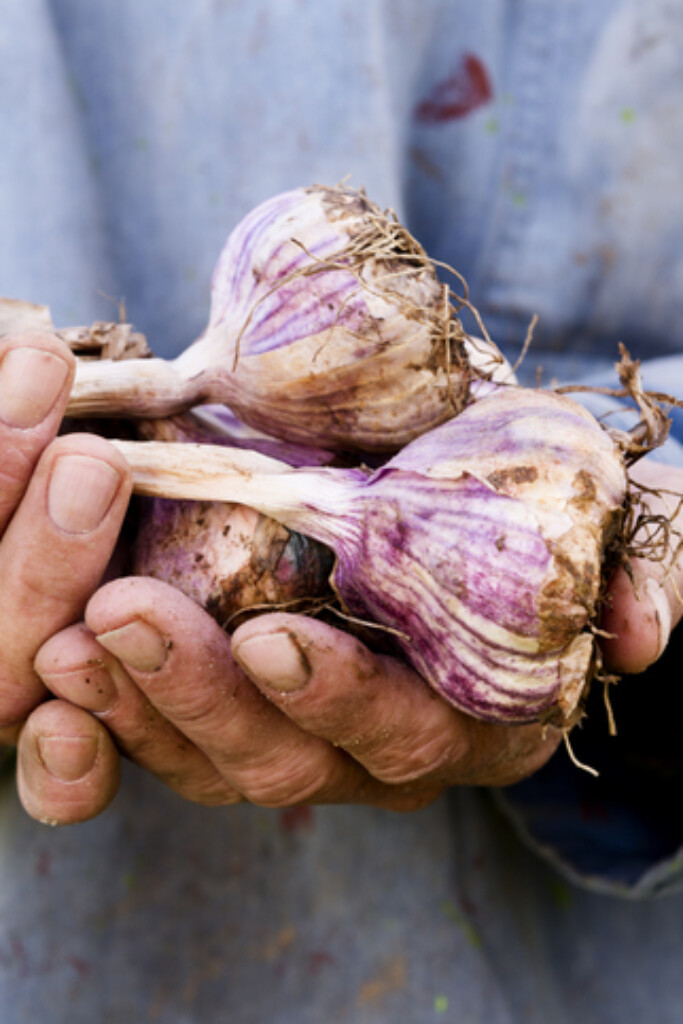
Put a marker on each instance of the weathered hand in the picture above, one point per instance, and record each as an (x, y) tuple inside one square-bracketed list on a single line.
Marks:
[(62, 501), (291, 711), (645, 605)]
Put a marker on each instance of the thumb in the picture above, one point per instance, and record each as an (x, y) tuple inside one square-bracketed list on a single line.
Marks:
[(639, 615), (645, 604)]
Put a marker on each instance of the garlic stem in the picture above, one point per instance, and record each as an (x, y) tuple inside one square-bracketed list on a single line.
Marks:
[(131, 387), (312, 501)]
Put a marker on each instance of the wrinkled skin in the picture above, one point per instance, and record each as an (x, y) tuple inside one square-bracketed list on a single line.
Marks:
[(286, 711)]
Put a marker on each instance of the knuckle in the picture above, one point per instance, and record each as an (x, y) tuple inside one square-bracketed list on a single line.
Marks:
[(47, 585), (209, 793), (400, 764), (280, 785), (17, 466), (15, 473)]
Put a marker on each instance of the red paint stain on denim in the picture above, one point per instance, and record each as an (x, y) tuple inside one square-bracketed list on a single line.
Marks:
[(466, 88), (318, 960), (44, 864), (299, 818), (80, 966)]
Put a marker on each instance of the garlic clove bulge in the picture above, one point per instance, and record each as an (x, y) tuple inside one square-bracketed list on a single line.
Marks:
[(328, 326)]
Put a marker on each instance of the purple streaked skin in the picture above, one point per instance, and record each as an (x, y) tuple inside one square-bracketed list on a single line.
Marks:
[(217, 424), (303, 308), (291, 330), (472, 576), (229, 272), (457, 557), (494, 431), (251, 266)]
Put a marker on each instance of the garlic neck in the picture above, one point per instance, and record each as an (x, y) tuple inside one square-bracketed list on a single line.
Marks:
[(131, 387)]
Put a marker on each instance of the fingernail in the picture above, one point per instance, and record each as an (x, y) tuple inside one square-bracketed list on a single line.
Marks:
[(662, 609), (67, 757), (91, 687), (31, 381), (137, 645), (81, 492), (275, 660)]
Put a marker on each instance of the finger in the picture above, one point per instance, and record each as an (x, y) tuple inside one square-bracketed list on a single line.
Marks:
[(36, 374), (53, 554), (637, 621), (67, 765), (644, 604), (181, 660), (378, 709), (77, 669)]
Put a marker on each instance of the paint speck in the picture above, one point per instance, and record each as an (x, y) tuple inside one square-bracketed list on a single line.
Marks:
[(467, 88), (425, 164), (44, 864), (318, 960), (80, 966), (279, 944), (456, 915), (390, 978), (440, 1004), (518, 199), (297, 819), (627, 115), (492, 126)]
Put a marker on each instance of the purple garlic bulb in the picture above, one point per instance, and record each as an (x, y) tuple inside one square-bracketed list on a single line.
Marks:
[(328, 327), (481, 543), (228, 558)]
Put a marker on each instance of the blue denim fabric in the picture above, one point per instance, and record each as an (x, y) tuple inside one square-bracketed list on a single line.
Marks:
[(535, 147)]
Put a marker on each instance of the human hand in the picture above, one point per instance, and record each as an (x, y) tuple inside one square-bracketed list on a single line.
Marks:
[(645, 604), (62, 501), (291, 711), (356, 728)]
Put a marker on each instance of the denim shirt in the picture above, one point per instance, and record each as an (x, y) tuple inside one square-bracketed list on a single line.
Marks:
[(536, 148)]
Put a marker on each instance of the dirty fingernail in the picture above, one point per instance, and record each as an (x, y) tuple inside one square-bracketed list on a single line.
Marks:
[(31, 381), (67, 757), (274, 660), (81, 492), (137, 644), (91, 687)]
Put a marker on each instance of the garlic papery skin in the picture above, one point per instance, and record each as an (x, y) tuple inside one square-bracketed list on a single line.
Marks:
[(481, 544), (132, 388), (226, 557), (216, 424), (328, 326)]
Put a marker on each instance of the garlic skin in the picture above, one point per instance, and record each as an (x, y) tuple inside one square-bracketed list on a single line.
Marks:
[(226, 557), (524, 492), (340, 329), (328, 327), (229, 558), (481, 544)]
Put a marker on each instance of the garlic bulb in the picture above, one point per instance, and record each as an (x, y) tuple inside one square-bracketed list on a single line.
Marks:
[(328, 326), (228, 558), (481, 543)]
